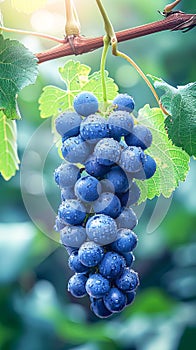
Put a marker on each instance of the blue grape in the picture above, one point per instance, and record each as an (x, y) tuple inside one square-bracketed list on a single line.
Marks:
[(67, 175), (130, 297), (129, 258), (140, 136), (107, 204), (127, 219), (87, 188), (68, 124), (94, 168), (115, 300), (90, 254), (149, 166), (130, 159), (125, 242), (107, 151), (73, 236), (97, 286), (94, 128), (85, 103), (76, 285), (75, 150), (67, 193), (128, 281), (119, 179), (101, 229), (99, 308), (112, 265), (120, 123), (124, 102), (72, 212), (75, 263), (131, 196)]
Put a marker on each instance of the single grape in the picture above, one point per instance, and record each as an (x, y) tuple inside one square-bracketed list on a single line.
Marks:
[(67, 193), (130, 297), (67, 175), (112, 265), (72, 212), (75, 263), (107, 204), (101, 229), (68, 124), (76, 285), (127, 219), (99, 308), (128, 281), (120, 123), (130, 159), (73, 236), (75, 150), (149, 166), (129, 258), (93, 128), (90, 254), (115, 300), (124, 102), (88, 188), (119, 179), (131, 196), (94, 168), (97, 286), (125, 242), (140, 136), (85, 103), (107, 151)]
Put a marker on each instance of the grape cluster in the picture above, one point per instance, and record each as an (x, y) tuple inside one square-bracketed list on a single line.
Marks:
[(103, 157)]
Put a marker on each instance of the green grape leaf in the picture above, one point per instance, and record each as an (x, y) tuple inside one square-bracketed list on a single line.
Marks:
[(77, 78), (28, 7), (181, 104), (172, 161), (18, 68), (8, 147)]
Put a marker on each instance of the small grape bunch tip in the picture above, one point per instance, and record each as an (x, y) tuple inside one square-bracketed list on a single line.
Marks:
[(103, 157)]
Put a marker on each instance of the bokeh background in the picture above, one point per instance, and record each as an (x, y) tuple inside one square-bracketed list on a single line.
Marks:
[(36, 311)]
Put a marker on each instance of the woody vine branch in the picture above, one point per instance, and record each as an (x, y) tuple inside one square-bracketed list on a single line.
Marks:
[(79, 44)]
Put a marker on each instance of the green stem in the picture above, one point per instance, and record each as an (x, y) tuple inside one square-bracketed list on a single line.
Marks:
[(108, 25), (106, 41), (116, 52)]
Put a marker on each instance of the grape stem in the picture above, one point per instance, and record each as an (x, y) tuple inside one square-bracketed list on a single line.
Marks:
[(106, 41), (116, 52), (111, 38)]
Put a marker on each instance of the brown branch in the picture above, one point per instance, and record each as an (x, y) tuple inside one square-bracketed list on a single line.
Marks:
[(174, 21)]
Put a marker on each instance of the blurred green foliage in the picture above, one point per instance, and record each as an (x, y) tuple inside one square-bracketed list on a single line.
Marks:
[(36, 311)]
